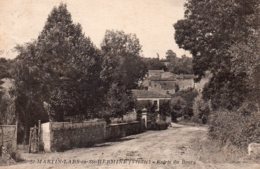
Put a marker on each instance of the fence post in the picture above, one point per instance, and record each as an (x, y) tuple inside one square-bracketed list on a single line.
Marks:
[(144, 118), (30, 137), (2, 130), (16, 133), (39, 136)]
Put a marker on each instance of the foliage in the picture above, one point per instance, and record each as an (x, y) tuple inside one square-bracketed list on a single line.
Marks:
[(223, 37), (170, 56), (165, 108), (153, 64), (118, 102), (7, 108), (122, 70), (181, 104), (188, 95), (122, 59), (201, 110), (60, 68), (5, 66), (236, 128), (178, 107), (178, 65), (27, 92), (246, 62), (175, 64), (210, 30), (161, 125)]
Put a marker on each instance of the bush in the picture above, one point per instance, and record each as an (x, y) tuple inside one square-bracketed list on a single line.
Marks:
[(178, 107), (237, 128), (201, 110), (16, 156), (187, 98), (160, 125)]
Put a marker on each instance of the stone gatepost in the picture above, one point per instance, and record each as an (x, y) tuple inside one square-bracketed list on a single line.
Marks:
[(144, 118)]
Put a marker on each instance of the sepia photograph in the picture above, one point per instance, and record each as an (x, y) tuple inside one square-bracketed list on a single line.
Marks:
[(122, 84)]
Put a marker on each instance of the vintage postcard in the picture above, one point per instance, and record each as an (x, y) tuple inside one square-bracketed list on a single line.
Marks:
[(105, 84)]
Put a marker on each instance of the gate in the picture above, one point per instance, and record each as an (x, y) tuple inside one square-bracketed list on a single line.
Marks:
[(35, 138)]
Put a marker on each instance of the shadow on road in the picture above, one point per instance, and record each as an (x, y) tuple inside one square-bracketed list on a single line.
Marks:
[(121, 139)]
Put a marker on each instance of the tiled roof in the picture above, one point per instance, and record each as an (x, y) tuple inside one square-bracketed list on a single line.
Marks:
[(167, 85), (172, 78), (153, 78), (148, 94), (186, 76)]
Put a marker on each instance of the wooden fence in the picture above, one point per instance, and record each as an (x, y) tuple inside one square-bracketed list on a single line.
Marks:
[(35, 138)]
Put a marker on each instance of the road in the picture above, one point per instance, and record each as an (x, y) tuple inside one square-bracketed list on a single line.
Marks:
[(167, 149)]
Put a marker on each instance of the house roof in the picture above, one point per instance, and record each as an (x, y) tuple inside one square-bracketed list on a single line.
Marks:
[(167, 85), (148, 94), (186, 76), (154, 78)]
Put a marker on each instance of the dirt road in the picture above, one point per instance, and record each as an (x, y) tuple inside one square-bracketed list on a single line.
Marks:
[(167, 149)]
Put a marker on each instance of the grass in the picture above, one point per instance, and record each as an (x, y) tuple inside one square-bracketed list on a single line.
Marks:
[(210, 151)]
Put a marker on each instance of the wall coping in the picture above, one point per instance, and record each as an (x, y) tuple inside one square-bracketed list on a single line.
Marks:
[(120, 124)]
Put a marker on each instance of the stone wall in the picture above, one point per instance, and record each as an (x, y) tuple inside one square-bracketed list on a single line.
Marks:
[(59, 136), (115, 131)]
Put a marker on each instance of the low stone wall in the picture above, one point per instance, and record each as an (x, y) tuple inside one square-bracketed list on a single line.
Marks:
[(133, 128), (59, 136), (115, 131)]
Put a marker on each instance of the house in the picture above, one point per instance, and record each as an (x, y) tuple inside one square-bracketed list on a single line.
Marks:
[(155, 73), (145, 96), (185, 81), (168, 82), (164, 87)]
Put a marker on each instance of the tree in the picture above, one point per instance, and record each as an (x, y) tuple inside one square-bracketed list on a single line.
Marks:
[(201, 110), (153, 64), (170, 55), (118, 102), (246, 60), (177, 107), (28, 91), (61, 68), (185, 65), (5, 66), (209, 30), (122, 59), (122, 70), (178, 65), (188, 96), (70, 59)]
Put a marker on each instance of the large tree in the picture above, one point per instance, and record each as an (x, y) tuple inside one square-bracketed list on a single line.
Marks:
[(61, 68), (209, 31), (122, 58), (122, 70)]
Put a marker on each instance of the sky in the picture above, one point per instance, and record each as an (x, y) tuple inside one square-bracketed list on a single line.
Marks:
[(151, 20)]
